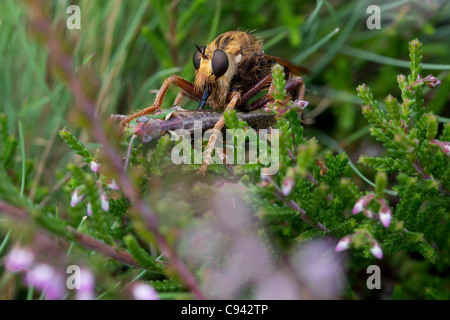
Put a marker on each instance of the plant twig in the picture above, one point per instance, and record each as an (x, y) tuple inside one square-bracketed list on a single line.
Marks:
[(87, 107), (425, 177), (107, 250), (294, 205), (13, 212), (82, 239)]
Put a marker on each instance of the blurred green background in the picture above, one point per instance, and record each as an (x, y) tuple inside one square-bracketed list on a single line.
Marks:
[(132, 46)]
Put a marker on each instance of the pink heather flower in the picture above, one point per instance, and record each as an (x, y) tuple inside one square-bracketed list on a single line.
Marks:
[(277, 286), (376, 251), (268, 109), (266, 174), (86, 291), (444, 145), (358, 207), (431, 81), (362, 203), (369, 214), (344, 244), (18, 259), (104, 202), (143, 291), (89, 209), (385, 213), (44, 278), (41, 275), (288, 185), (76, 198), (113, 185), (302, 104), (94, 166), (317, 269)]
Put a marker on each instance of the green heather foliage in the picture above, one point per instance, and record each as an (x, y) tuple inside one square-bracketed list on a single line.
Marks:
[(163, 225)]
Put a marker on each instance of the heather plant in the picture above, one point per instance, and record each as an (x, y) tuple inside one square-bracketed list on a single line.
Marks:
[(136, 225)]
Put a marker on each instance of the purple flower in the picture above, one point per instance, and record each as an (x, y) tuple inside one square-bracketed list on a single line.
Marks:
[(45, 278), (362, 203), (385, 213), (104, 202), (18, 259), (344, 243), (444, 145), (319, 269), (277, 286), (369, 214), (76, 198), (94, 166), (113, 185), (288, 185), (302, 104), (376, 250), (431, 81), (143, 291), (268, 109), (359, 206), (266, 174), (89, 209), (86, 291)]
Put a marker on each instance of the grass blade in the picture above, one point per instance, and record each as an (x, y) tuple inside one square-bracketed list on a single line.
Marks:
[(370, 56), (305, 54), (22, 152)]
